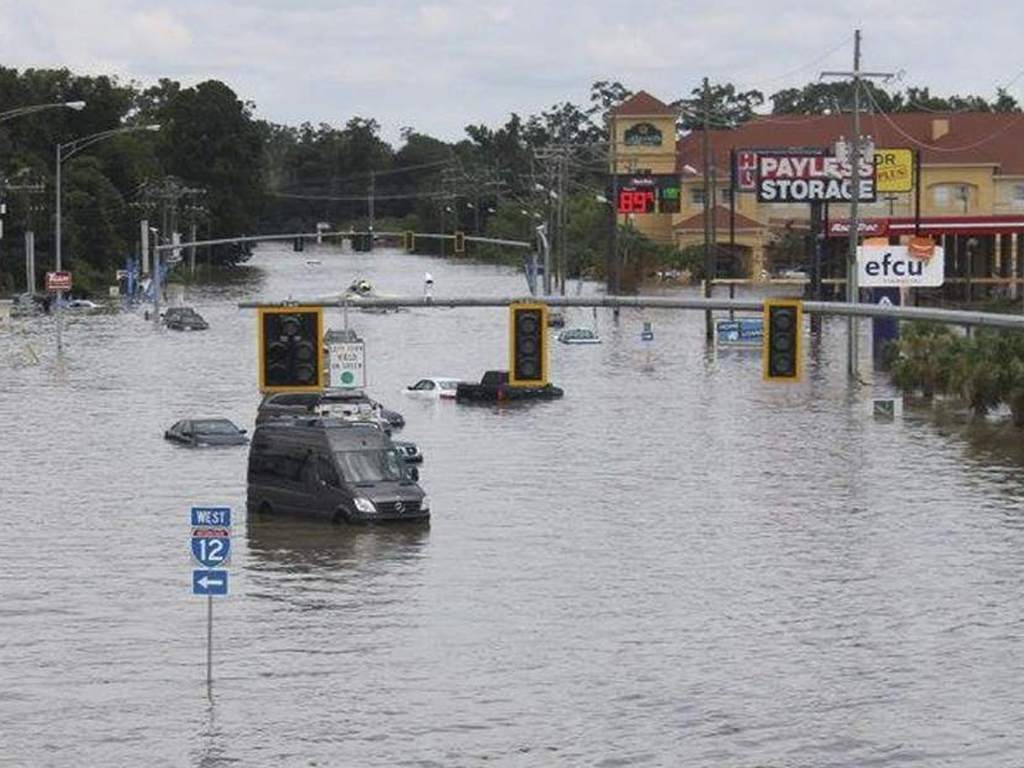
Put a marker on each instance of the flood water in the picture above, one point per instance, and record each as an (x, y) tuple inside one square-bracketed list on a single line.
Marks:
[(677, 564)]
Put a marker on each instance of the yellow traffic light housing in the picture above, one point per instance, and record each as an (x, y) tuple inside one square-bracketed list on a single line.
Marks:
[(783, 330), (460, 242), (528, 345), (291, 350)]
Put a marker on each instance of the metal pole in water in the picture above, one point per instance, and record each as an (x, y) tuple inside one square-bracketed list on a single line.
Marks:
[(209, 646)]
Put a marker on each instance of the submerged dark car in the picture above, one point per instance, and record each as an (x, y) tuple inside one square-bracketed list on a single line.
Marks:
[(184, 319), (409, 452), (344, 403), (196, 432)]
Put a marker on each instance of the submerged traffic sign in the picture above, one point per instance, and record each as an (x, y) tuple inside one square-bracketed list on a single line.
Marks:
[(218, 516), (209, 582), (210, 551)]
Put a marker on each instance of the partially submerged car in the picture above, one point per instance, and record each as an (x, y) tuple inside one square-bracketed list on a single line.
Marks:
[(432, 388), (196, 432), (184, 319), (344, 403)]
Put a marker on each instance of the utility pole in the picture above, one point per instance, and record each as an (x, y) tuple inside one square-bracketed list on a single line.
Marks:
[(709, 257), (612, 262), (373, 186), (856, 145)]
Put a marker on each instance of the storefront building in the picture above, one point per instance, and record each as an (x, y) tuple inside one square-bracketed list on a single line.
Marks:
[(970, 196)]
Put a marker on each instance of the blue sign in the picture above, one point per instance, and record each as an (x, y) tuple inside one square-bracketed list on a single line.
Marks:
[(884, 329), (210, 551), (209, 582), (741, 332), (219, 517)]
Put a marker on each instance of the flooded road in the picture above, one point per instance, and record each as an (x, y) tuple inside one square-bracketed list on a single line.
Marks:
[(676, 564)]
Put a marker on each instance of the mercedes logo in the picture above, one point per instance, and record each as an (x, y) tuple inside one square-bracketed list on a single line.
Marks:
[(399, 507)]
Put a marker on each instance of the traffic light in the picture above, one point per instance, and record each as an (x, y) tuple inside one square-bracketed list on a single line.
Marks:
[(783, 326), (291, 349), (528, 345), (410, 241), (460, 242)]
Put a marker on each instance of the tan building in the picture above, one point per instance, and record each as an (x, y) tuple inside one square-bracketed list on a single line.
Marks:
[(971, 195)]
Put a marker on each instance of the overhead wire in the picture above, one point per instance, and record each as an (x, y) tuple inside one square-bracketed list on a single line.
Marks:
[(934, 147)]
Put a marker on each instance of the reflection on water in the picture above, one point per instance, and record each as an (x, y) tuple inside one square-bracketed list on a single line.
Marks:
[(676, 564), (298, 545)]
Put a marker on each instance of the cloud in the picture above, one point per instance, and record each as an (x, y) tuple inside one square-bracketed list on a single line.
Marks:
[(438, 65)]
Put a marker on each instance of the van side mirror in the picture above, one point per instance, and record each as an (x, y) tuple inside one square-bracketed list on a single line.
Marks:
[(414, 474)]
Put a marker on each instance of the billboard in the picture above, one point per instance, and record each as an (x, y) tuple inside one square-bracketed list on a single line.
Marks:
[(894, 170), (806, 178), (912, 266)]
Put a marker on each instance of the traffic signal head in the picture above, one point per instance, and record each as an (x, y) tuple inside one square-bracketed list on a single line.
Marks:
[(528, 345), (460, 242), (783, 326), (291, 349), (410, 241)]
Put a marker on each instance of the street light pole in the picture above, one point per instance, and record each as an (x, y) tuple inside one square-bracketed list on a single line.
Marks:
[(64, 151)]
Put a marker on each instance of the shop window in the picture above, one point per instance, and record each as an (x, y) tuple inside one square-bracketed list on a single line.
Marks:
[(697, 195)]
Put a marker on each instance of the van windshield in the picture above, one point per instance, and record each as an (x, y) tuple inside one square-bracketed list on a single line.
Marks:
[(370, 466)]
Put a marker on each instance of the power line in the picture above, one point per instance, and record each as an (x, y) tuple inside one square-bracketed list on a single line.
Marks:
[(935, 148)]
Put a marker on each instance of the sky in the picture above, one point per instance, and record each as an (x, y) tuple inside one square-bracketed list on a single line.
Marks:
[(439, 66)]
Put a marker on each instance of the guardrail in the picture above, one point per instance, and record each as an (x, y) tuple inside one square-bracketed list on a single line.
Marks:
[(930, 314), (336, 233)]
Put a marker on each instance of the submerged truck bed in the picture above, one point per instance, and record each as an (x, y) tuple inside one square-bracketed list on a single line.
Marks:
[(494, 388)]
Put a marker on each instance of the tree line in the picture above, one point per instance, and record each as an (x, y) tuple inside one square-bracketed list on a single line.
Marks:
[(215, 166)]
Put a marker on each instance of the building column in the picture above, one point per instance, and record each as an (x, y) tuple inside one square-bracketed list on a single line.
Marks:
[(757, 270)]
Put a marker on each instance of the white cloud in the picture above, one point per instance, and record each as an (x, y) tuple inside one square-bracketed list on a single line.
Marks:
[(441, 64)]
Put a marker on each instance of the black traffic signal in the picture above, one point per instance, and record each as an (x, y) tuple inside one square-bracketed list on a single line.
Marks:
[(410, 241), (298, 244), (783, 326), (291, 349), (528, 345), (460, 242)]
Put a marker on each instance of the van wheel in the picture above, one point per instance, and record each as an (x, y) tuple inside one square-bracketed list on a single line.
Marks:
[(265, 509), (340, 516)]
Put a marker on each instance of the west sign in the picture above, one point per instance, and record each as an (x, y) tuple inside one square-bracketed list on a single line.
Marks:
[(810, 178)]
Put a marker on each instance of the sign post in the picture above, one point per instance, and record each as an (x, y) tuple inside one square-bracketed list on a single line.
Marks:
[(211, 548), (57, 283)]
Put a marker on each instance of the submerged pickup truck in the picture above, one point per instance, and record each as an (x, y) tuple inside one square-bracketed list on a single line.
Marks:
[(494, 388)]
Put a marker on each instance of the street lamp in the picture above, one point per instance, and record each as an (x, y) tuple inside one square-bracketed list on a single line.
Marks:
[(64, 151), (19, 111)]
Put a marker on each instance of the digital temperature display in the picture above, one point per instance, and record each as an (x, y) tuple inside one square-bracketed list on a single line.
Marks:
[(632, 200)]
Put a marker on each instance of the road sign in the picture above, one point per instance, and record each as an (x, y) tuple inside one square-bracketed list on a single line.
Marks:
[(348, 364), (211, 516), (210, 551), (58, 281), (741, 332), (209, 582), (647, 334)]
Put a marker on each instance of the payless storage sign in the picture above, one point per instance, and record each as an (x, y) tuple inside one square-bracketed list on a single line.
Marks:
[(900, 265), (811, 179)]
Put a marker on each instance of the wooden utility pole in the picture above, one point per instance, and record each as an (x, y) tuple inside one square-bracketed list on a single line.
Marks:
[(709, 256), (856, 146)]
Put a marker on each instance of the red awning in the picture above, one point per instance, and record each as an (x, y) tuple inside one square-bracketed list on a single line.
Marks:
[(931, 225)]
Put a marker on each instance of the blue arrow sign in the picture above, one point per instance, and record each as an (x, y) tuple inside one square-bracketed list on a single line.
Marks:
[(207, 582), (211, 551), (216, 516)]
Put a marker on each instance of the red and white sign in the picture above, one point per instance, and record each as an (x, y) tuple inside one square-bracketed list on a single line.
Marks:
[(865, 228), (58, 281)]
